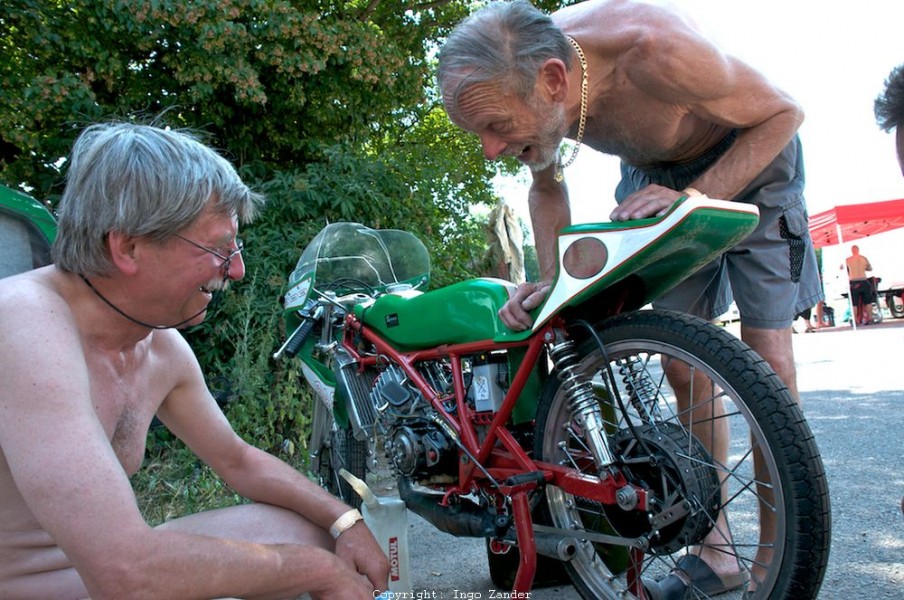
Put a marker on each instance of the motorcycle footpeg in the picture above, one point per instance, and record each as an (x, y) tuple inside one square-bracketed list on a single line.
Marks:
[(537, 478)]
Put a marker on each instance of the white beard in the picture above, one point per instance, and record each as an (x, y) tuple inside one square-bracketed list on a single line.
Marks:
[(546, 151)]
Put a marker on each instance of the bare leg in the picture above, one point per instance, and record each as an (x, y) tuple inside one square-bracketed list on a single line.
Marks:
[(704, 422), (775, 346), (260, 523)]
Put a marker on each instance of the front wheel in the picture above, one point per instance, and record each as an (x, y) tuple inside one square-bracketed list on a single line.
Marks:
[(334, 448), (709, 468)]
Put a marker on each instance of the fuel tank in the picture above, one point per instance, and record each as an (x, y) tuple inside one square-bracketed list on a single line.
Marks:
[(460, 313)]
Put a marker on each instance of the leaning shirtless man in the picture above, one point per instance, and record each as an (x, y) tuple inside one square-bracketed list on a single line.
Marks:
[(641, 81), (147, 231)]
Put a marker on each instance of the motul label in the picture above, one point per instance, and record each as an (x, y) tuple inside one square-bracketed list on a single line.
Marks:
[(394, 559)]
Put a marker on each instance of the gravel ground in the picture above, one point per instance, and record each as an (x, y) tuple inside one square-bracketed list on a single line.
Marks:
[(852, 388)]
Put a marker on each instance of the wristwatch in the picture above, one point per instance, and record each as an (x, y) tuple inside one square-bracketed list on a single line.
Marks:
[(344, 522)]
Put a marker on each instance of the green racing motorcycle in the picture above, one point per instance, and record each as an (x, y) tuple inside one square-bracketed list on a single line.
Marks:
[(564, 446)]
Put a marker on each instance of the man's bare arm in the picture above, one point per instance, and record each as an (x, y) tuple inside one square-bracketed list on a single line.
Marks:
[(682, 69), (68, 474), (193, 416), (550, 211)]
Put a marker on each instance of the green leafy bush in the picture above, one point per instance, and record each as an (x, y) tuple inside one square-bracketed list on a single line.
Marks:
[(328, 108)]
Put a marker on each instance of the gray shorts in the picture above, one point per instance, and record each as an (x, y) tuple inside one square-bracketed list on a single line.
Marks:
[(773, 272)]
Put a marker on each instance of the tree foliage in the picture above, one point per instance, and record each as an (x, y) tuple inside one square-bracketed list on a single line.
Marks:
[(272, 81), (327, 106)]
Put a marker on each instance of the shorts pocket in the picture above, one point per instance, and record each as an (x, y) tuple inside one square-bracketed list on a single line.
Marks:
[(793, 228)]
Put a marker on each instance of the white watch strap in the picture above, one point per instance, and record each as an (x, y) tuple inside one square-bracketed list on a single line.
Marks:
[(345, 521)]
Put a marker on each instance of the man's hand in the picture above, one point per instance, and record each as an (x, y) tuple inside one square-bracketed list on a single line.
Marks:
[(358, 547), (527, 297), (653, 200), (336, 579)]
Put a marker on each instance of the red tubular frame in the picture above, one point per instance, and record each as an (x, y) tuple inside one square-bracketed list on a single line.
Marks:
[(499, 453)]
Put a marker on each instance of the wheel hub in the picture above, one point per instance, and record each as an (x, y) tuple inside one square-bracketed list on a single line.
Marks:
[(679, 478)]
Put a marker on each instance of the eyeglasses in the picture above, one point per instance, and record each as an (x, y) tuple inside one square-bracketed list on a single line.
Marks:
[(227, 260)]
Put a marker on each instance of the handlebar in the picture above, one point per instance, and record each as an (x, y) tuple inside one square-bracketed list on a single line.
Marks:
[(301, 333)]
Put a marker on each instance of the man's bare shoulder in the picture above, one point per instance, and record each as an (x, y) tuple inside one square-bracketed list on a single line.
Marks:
[(612, 21), (51, 303), (43, 284), (643, 43), (34, 299)]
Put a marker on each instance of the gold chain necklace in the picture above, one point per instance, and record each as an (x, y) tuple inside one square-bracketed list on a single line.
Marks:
[(560, 175)]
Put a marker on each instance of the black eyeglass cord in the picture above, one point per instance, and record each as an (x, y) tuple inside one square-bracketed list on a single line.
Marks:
[(133, 319)]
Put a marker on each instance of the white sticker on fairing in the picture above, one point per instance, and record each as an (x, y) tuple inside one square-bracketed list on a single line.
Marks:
[(298, 294), (325, 392)]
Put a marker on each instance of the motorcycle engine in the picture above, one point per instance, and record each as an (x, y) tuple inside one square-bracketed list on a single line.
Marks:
[(417, 446)]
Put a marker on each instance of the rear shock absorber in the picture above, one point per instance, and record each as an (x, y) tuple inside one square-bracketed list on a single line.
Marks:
[(582, 400), (640, 387)]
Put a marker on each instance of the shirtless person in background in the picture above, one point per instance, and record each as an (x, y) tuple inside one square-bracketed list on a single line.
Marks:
[(641, 82), (862, 293), (147, 230)]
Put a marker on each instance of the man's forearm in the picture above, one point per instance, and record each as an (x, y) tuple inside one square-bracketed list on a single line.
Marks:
[(751, 153), (549, 213), (264, 478), (172, 564)]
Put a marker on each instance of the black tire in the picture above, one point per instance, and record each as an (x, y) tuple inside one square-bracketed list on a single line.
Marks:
[(504, 568), (758, 407), (895, 305), (332, 449)]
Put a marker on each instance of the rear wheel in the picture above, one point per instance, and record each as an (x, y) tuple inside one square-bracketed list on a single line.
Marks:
[(674, 455)]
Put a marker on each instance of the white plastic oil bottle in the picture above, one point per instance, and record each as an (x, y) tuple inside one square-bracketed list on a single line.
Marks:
[(387, 519)]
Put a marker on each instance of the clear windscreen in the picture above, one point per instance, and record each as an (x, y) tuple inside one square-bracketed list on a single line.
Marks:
[(349, 257)]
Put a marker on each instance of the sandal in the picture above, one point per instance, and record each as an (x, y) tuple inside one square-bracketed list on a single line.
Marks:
[(691, 570)]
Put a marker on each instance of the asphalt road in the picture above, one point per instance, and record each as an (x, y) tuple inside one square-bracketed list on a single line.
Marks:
[(852, 388)]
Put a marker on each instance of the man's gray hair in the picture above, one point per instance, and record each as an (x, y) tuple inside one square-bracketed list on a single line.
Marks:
[(141, 181), (503, 42)]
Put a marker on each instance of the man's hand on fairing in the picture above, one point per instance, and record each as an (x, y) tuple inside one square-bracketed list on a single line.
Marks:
[(527, 297), (651, 201)]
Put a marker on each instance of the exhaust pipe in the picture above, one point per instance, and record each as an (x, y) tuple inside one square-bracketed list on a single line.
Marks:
[(463, 519), (468, 519), (555, 546)]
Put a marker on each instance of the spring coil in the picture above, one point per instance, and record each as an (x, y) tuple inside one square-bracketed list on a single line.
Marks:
[(578, 388), (641, 389)]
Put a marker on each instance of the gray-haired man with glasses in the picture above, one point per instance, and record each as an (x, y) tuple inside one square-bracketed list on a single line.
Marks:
[(147, 232)]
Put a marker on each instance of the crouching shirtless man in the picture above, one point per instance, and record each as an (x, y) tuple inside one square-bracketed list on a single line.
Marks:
[(90, 353)]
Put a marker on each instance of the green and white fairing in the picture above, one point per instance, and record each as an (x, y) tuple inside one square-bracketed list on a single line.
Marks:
[(655, 254)]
